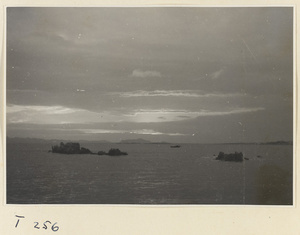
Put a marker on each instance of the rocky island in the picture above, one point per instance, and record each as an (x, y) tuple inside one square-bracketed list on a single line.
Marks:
[(70, 148), (233, 157), (74, 148), (113, 152)]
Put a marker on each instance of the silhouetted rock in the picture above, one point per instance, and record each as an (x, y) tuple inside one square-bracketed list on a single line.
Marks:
[(233, 157), (175, 146), (70, 148), (85, 151), (113, 152), (74, 148), (116, 152)]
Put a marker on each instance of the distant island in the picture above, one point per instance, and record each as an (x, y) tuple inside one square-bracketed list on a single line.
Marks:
[(133, 141), (279, 143), (264, 143), (57, 141)]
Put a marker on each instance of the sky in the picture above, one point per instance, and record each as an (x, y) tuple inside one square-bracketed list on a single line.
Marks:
[(174, 74)]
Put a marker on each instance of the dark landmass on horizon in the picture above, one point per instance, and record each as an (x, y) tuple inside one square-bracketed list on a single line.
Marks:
[(132, 141)]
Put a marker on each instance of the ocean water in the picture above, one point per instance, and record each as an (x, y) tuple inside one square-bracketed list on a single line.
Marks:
[(150, 174)]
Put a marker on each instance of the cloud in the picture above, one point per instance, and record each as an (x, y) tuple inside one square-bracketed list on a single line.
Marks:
[(63, 115), (152, 132), (102, 131), (159, 115), (53, 115), (49, 110), (139, 132), (175, 93), (168, 115), (231, 112), (144, 74)]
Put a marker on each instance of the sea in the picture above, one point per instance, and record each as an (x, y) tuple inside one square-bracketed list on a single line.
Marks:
[(151, 174)]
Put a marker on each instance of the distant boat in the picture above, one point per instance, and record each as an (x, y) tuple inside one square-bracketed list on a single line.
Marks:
[(175, 146)]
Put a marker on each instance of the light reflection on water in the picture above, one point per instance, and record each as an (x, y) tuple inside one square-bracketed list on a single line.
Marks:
[(150, 174)]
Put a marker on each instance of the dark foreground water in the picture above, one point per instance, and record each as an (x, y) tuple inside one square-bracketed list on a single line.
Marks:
[(150, 174)]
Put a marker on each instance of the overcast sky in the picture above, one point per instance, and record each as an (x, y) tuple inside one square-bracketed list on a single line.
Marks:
[(180, 74)]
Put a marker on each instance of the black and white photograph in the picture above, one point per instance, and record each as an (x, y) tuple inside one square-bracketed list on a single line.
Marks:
[(150, 105)]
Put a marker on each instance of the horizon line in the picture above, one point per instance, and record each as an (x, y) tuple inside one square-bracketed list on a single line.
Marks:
[(289, 142)]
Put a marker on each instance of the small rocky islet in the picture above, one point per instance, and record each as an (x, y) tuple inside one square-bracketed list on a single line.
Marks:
[(74, 148), (231, 157)]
